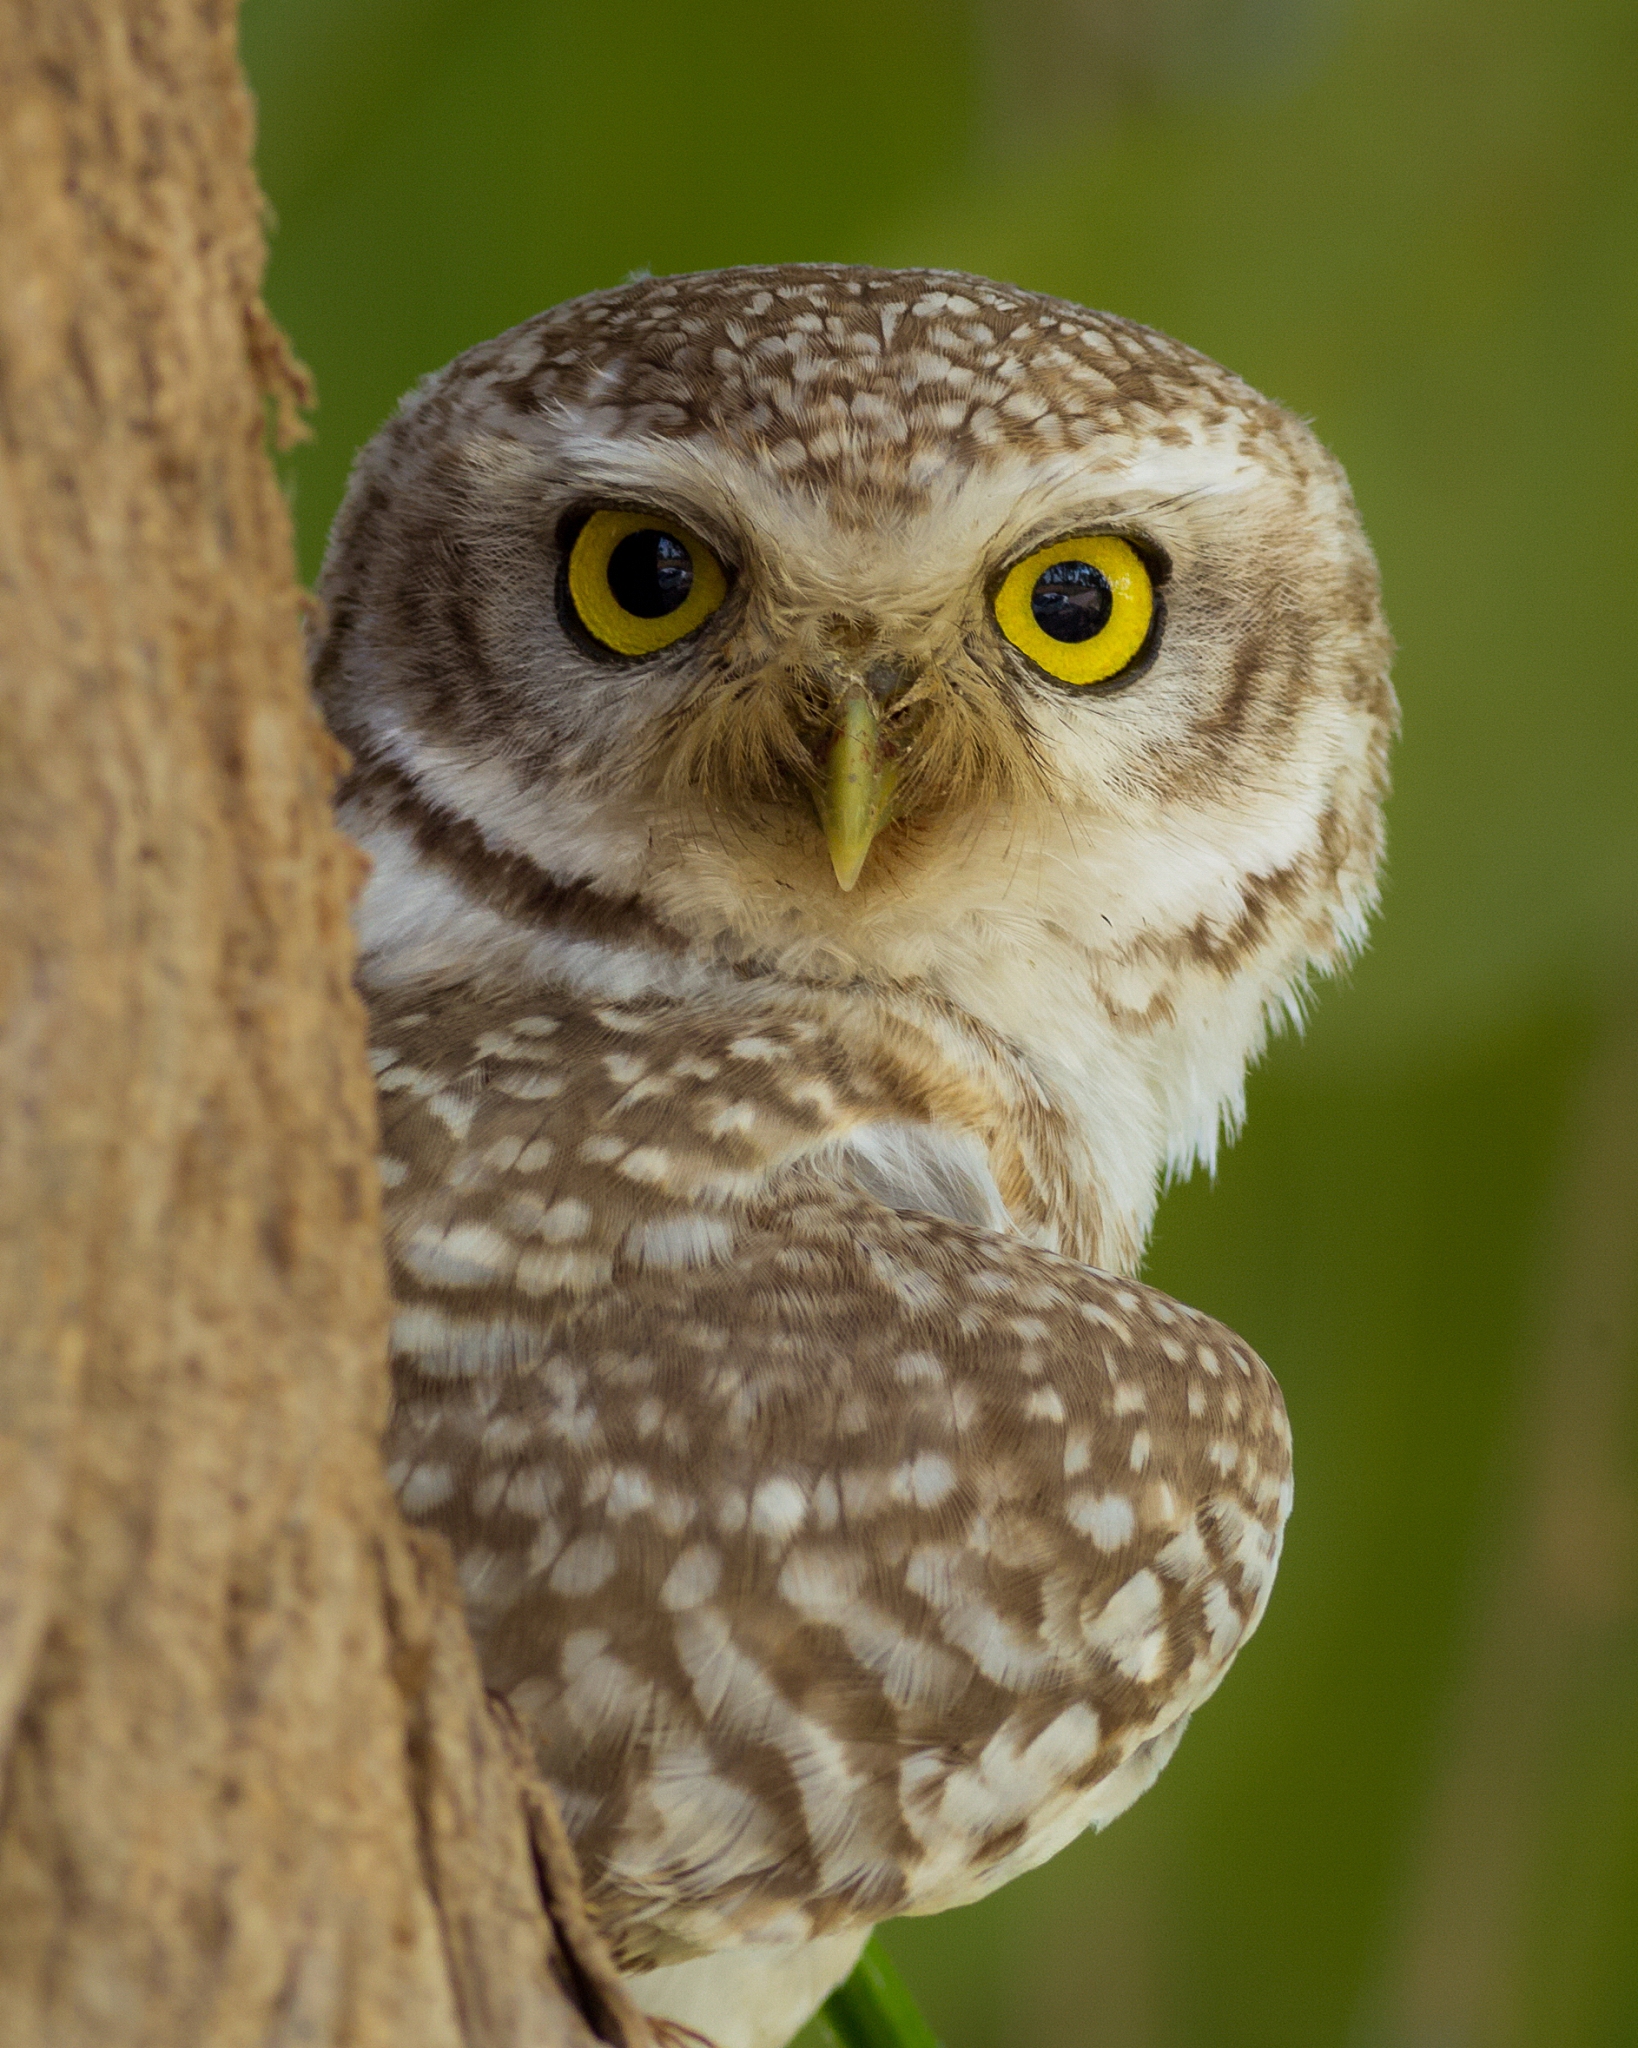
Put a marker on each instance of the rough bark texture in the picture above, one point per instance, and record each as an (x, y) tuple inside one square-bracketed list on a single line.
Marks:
[(250, 1787)]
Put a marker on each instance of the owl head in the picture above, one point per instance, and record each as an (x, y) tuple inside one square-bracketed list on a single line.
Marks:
[(880, 625)]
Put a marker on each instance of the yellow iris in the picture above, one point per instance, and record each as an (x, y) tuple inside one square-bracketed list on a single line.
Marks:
[(639, 581), (1080, 608)]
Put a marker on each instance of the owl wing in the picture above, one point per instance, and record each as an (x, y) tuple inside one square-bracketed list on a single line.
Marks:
[(841, 1561)]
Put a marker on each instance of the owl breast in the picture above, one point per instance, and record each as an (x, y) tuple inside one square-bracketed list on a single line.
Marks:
[(843, 1556)]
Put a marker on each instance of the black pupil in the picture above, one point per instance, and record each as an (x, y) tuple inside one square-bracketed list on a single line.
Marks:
[(1071, 601), (650, 574)]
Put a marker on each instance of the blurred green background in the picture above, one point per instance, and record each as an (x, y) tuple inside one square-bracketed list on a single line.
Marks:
[(1411, 1818)]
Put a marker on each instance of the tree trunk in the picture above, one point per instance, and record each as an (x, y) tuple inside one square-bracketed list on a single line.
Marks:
[(250, 1786)]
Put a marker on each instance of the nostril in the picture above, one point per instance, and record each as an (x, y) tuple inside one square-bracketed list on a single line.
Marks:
[(887, 679)]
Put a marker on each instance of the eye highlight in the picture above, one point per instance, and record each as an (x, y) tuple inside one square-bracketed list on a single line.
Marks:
[(638, 581), (1080, 608)]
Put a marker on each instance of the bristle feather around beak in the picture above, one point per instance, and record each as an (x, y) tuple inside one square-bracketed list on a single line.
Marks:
[(858, 744)]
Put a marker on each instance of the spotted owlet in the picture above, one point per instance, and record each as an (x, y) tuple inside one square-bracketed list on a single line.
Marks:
[(853, 761)]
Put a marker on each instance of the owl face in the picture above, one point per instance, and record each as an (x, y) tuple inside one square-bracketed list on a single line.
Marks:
[(839, 613)]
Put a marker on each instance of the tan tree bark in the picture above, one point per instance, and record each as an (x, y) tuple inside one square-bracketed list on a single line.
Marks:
[(250, 1787)]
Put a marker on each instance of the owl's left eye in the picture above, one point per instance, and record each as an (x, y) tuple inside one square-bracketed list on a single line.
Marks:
[(638, 581), (1082, 609)]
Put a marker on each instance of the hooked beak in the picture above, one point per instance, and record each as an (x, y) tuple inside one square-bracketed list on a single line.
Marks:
[(855, 792), (859, 772)]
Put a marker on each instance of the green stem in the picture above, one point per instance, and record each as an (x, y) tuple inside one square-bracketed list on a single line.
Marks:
[(872, 2008)]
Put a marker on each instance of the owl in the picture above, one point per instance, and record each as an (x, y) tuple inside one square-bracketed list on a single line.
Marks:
[(854, 761)]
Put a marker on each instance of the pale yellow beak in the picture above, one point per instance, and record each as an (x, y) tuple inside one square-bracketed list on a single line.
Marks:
[(854, 796)]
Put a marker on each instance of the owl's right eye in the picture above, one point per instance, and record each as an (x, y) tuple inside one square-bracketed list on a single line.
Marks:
[(638, 581)]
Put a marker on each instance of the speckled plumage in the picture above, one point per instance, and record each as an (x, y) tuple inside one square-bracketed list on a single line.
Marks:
[(847, 1533)]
